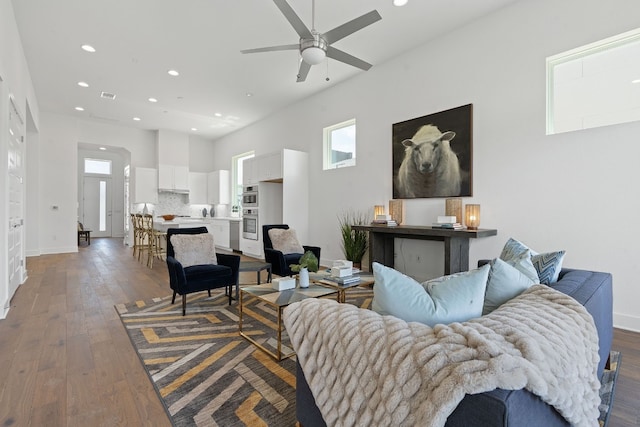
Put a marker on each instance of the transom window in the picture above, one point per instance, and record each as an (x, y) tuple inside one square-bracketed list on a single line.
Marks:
[(99, 166), (339, 143)]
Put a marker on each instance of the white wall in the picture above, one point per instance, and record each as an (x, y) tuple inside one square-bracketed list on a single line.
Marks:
[(552, 192)]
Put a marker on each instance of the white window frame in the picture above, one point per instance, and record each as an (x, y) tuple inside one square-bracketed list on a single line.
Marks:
[(590, 94), (327, 142)]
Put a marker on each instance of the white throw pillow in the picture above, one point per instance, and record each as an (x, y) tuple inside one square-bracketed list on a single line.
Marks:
[(285, 241), (194, 249), (505, 282), (454, 298)]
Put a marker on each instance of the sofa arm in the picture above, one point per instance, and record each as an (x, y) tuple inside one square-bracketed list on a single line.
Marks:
[(276, 259), (314, 249), (231, 261), (177, 277)]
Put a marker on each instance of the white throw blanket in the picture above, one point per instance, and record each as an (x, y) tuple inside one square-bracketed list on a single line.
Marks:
[(365, 369)]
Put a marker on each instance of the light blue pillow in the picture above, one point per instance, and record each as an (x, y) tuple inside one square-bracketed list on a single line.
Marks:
[(547, 265), (454, 298), (505, 282)]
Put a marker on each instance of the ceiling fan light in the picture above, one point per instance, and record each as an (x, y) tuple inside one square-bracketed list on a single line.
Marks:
[(313, 55), (400, 2)]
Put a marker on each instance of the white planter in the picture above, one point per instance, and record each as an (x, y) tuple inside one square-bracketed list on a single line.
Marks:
[(303, 278)]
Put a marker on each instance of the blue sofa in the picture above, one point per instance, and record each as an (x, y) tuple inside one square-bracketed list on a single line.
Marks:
[(510, 408)]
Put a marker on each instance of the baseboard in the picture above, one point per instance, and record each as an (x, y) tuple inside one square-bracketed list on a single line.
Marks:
[(32, 252), (624, 321), (61, 250)]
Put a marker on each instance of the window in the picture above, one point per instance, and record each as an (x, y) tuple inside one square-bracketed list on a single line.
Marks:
[(594, 85), (102, 167), (339, 145), (237, 171)]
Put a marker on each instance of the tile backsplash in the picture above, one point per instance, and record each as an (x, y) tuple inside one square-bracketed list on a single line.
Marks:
[(178, 204)]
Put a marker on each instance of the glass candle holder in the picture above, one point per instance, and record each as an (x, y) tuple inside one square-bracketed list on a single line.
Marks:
[(472, 216), (378, 210), (453, 207)]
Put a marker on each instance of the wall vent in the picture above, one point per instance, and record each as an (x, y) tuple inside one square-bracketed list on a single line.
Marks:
[(108, 95)]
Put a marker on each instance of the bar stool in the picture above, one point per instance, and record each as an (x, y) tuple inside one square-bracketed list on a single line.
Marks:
[(136, 234), (145, 242)]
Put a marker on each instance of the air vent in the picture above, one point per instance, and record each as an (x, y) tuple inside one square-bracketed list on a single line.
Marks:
[(108, 95)]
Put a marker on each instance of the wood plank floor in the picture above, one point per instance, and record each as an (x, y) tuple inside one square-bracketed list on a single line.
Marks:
[(67, 361)]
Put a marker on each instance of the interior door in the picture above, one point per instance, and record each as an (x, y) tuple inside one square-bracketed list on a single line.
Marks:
[(16, 194), (96, 206)]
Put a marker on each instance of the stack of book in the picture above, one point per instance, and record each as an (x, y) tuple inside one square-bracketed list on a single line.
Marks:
[(447, 222), (384, 220), (347, 280)]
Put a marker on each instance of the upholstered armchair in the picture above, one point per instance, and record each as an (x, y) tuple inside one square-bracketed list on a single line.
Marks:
[(199, 277), (280, 261)]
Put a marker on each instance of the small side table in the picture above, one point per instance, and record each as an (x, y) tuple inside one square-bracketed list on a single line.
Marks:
[(257, 266)]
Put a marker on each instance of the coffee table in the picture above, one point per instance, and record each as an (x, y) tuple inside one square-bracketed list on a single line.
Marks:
[(322, 278), (279, 300)]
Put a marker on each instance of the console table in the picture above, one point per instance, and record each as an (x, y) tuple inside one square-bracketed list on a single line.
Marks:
[(456, 243)]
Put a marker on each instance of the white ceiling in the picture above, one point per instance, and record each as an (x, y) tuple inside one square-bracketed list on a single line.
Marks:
[(138, 41)]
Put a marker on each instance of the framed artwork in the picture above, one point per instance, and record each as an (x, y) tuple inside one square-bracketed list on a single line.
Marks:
[(433, 155)]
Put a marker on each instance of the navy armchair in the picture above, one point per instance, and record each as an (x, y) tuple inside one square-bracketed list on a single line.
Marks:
[(197, 278), (280, 262)]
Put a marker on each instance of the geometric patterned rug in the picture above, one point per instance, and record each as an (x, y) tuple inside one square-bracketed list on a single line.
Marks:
[(206, 374)]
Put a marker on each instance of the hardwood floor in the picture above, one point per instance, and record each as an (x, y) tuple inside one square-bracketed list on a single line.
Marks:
[(67, 360)]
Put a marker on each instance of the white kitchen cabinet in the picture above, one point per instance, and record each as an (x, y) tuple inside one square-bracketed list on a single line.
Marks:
[(221, 231), (251, 248), (145, 185), (250, 171), (218, 187), (270, 167), (173, 178), (198, 188)]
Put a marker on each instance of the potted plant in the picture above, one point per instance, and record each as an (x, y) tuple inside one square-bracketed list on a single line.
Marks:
[(354, 242), (308, 262)]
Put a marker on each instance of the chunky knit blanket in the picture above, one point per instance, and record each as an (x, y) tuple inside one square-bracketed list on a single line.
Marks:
[(366, 369)]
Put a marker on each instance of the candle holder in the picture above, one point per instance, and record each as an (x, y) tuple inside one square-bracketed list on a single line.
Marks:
[(396, 210), (378, 210), (453, 207), (472, 216)]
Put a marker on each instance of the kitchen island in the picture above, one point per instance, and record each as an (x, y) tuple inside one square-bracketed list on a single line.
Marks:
[(220, 227)]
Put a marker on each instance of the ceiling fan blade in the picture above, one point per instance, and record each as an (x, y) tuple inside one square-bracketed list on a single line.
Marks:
[(303, 71), (272, 48), (351, 27), (293, 19), (341, 56)]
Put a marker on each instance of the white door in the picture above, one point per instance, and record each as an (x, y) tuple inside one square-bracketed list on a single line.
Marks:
[(16, 206), (96, 206)]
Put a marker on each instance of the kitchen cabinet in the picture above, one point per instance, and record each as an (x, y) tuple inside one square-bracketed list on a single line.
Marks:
[(145, 185), (219, 187), (250, 171), (173, 178), (198, 188), (221, 231), (270, 167)]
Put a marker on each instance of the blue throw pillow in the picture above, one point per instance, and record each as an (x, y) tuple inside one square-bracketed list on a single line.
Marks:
[(454, 298), (546, 265), (505, 282)]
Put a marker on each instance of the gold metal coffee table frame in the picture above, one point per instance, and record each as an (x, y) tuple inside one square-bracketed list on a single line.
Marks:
[(279, 300), (366, 279)]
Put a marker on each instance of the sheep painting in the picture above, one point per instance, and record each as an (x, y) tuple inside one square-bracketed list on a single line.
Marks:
[(427, 166), (430, 168)]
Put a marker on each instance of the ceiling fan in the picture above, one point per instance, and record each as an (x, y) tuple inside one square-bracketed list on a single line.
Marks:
[(315, 46)]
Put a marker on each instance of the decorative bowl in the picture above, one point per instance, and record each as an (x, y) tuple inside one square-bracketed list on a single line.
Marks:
[(168, 217)]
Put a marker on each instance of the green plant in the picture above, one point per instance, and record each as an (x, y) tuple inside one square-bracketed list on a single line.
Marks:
[(308, 260), (354, 242)]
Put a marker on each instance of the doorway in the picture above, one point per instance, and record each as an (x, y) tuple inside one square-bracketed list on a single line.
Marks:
[(96, 206)]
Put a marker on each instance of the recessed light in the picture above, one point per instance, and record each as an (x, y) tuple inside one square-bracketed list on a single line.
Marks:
[(79, 109), (218, 115), (103, 149), (635, 81), (88, 48), (153, 100), (137, 119), (173, 73), (249, 94), (83, 84), (194, 129), (400, 2)]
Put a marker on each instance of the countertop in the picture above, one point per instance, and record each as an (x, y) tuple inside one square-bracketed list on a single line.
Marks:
[(194, 220)]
